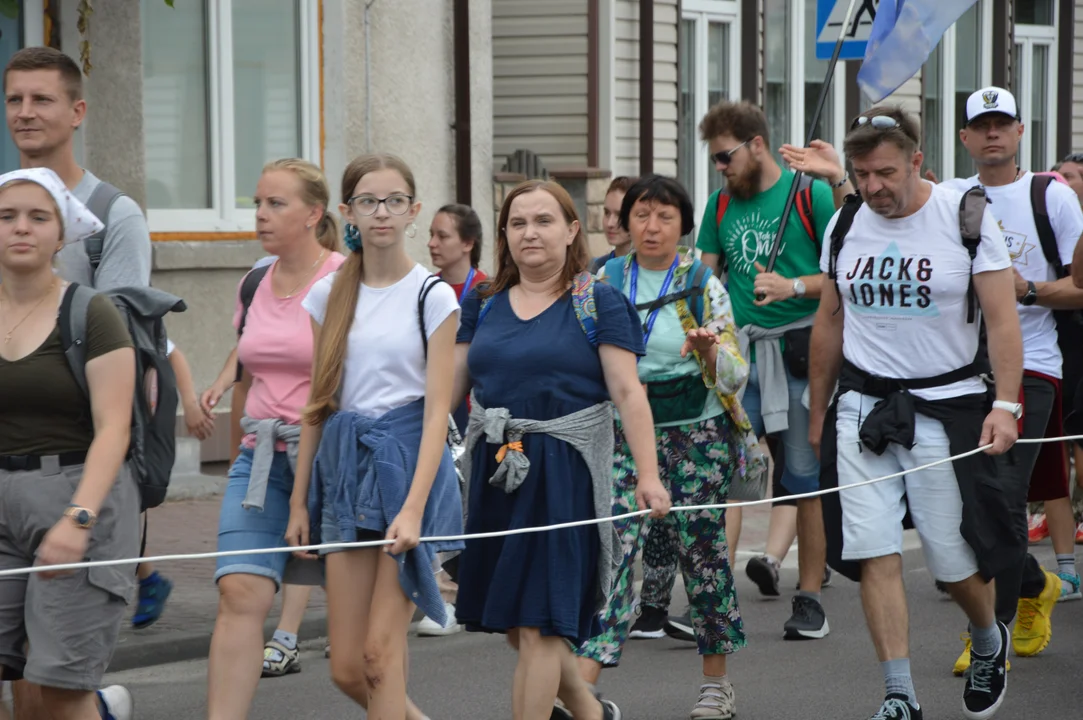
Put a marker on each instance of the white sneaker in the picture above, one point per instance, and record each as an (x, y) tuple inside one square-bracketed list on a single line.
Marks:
[(430, 628), (119, 703)]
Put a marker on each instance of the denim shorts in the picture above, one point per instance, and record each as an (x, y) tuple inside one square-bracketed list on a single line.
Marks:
[(241, 529), (802, 470)]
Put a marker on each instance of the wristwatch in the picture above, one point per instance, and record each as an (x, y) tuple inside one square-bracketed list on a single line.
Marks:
[(82, 517), (1016, 409), (1032, 295), (798, 288)]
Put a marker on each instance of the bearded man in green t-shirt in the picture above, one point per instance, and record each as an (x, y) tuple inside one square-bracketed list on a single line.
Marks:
[(774, 311)]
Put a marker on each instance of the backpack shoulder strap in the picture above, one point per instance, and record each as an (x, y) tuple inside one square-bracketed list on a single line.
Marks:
[(804, 208), (426, 287), (586, 309), (700, 275), (99, 203), (248, 292), (1039, 185), (843, 222), (723, 205), (73, 327), (971, 212), (614, 272)]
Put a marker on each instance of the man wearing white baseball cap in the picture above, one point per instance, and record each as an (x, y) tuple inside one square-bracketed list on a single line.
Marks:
[(1041, 221)]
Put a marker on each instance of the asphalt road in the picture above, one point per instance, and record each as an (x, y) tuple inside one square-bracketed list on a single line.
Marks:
[(468, 677)]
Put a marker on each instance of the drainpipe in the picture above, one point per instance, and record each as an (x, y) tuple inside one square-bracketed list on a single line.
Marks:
[(368, 79), (646, 87)]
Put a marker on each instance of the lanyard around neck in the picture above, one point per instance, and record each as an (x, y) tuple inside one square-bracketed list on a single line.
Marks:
[(648, 325)]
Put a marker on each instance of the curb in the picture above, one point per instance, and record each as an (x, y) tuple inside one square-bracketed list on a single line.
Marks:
[(133, 652)]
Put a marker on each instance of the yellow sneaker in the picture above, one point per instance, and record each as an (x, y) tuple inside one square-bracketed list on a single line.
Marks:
[(963, 663), (1033, 628)]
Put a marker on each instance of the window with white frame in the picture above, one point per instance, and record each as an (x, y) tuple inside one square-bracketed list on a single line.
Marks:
[(709, 67), (1034, 83), (790, 52), (961, 64), (227, 86)]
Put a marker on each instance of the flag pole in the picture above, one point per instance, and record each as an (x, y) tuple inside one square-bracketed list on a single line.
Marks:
[(811, 136)]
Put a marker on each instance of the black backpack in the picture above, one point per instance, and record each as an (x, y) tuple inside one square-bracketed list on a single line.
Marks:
[(1069, 322), (152, 449), (254, 277)]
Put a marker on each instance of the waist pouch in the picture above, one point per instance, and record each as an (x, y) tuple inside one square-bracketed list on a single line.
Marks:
[(676, 399), (795, 351)]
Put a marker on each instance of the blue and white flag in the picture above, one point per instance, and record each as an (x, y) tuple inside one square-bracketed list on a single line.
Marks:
[(902, 37)]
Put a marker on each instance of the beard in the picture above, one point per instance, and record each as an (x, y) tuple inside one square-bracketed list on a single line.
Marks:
[(746, 185)]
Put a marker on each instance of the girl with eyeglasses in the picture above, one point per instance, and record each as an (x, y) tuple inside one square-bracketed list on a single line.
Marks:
[(373, 462)]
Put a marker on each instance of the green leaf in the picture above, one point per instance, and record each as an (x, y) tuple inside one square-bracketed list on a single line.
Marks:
[(169, 3), (9, 9)]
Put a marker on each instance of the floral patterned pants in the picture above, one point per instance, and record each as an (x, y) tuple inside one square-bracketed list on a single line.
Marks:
[(696, 463)]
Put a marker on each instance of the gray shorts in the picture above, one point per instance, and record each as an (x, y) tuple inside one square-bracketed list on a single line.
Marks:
[(61, 632)]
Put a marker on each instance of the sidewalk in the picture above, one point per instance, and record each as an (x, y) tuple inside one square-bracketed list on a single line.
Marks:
[(184, 630)]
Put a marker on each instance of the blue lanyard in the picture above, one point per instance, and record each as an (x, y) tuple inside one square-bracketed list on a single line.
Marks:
[(648, 326), (466, 285)]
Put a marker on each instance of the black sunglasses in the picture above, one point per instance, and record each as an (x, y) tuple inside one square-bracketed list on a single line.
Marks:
[(1076, 158), (725, 157)]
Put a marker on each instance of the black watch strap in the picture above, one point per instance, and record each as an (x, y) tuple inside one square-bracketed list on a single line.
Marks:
[(1032, 294)]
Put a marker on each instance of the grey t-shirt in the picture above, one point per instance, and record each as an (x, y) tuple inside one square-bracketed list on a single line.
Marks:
[(125, 253)]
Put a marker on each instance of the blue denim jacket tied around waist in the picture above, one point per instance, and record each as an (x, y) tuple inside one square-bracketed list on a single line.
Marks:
[(360, 479)]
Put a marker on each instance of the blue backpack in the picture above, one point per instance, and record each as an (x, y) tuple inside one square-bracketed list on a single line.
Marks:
[(692, 292)]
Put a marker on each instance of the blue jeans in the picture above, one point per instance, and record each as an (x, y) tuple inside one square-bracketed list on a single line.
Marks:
[(241, 529), (802, 469)]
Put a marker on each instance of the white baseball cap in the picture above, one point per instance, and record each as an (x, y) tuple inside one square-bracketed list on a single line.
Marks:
[(991, 100)]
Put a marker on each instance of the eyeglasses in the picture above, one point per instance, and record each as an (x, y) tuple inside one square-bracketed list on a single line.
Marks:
[(880, 122), (725, 157), (365, 205)]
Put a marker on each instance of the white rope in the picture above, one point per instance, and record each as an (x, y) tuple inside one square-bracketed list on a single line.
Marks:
[(504, 533)]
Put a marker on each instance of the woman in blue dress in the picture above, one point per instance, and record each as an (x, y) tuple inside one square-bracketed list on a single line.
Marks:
[(545, 349)]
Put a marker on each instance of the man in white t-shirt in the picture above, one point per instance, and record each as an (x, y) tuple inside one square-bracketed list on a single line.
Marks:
[(901, 336), (1041, 250)]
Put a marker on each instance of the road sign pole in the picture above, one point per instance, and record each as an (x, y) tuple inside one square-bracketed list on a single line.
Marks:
[(820, 102)]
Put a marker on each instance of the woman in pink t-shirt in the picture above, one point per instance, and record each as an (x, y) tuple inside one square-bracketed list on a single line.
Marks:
[(275, 350)]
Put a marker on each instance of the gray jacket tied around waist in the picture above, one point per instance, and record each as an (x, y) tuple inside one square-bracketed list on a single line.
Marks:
[(589, 431), (268, 432)]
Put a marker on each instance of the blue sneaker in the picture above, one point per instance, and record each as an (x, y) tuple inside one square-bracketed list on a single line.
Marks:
[(153, 592)]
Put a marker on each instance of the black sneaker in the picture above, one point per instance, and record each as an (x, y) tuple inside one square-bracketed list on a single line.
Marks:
[(987, 681), (897, 707), (764, 573), (808, 622), (650, 624), (680, 627)]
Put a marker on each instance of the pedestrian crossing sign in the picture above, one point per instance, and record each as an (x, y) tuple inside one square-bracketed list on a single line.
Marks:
[(830, 14)]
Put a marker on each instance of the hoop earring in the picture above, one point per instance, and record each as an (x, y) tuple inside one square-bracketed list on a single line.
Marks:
[(411, 230)]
